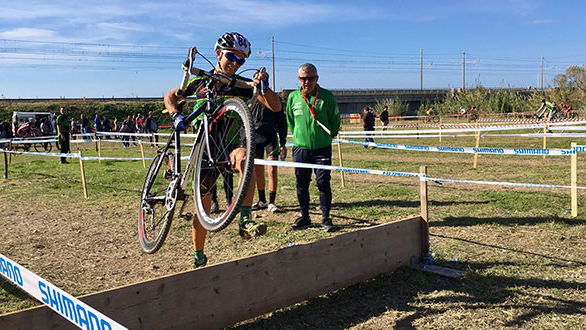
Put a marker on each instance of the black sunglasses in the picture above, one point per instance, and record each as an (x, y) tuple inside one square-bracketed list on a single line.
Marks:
[(233, 58), (312, 78)]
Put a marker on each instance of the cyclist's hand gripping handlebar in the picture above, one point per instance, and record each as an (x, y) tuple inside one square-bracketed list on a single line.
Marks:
[(187, 66), (264, 82)]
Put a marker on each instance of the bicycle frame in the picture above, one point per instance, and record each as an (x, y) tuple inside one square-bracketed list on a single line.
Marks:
[(208, 107)]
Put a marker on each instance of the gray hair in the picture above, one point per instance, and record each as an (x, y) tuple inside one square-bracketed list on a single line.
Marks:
[(308, 67)]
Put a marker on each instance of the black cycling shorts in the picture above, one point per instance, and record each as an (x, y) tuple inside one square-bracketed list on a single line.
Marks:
[(271, 148)]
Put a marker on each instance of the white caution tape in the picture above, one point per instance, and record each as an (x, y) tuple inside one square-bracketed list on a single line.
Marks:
[(422, 177), (418, 136), (15, 141), (141, 134), (117, 158), (468, 150), (579, 128), (551, 135), (331, 168), (423, 136), (66, 305), (457, 130), (49, 154), (495, 183)]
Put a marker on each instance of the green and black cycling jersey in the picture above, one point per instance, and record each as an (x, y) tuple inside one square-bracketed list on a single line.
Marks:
[(197, 87), (267, 124)]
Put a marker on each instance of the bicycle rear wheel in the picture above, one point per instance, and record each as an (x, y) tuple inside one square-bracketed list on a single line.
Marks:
[(157, 202), (229, 129), (42, 147)]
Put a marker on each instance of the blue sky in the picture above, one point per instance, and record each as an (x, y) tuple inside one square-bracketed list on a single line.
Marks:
[(105, 48)]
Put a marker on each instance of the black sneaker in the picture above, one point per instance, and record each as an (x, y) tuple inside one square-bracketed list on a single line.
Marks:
[(260, 205), (328, 225), (301, 223), (214, 208)]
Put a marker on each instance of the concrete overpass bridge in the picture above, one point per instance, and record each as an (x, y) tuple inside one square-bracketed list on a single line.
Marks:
[(353, 101)]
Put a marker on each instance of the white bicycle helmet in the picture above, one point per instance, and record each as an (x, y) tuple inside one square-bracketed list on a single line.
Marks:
[(234, 41)]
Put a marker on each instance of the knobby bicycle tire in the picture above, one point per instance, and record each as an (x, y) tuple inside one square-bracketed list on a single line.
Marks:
[(42, 147), (229, 128), (155, 215)]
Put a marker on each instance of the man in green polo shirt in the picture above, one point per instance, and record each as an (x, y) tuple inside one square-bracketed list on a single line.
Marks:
[(314, 119), (63, 132)]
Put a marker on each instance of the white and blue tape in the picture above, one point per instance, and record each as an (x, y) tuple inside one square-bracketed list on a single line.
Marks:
[(66, 305), (468, 150)]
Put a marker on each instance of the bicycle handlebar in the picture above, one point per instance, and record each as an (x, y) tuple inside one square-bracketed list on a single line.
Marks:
[(190, 70)]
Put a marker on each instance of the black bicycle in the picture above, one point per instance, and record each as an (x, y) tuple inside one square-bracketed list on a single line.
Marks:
[(221, 126)]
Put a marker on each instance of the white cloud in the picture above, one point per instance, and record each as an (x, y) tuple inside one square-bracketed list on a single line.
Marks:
[(128, 21), (279, 13), (29, 34), (540, 21)]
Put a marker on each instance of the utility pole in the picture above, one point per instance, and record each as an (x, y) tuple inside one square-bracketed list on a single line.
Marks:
[(421, 69), (541, 76), (464, 71), (273, 52)]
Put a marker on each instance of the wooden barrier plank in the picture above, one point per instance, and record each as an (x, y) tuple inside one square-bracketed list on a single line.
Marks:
[(220, 295)]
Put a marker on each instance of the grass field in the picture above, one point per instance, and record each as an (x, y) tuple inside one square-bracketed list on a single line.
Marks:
[(524, 256)]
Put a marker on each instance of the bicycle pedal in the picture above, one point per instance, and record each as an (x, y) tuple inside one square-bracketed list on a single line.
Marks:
[(186, 216)]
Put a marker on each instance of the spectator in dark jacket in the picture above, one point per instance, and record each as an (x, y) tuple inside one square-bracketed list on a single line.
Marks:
[(152, 127), (368, 120)]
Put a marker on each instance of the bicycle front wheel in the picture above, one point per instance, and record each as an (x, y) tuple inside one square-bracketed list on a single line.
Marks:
[(157, 203), (230, 141)]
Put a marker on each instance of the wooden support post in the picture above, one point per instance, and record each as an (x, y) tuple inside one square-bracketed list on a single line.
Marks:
[(5, 166), (82, 171), (99, 150), (544, 140), (574, 180), (440, 132), (142, 153), (424, 211), (475, 162), (341, 161), (10, 155)]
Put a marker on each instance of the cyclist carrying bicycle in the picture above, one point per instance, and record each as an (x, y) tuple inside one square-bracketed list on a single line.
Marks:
[(546, 108), (231, 50)]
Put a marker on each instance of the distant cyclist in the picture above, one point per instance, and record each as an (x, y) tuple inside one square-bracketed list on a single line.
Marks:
[(28, 129), (473, 115), (546, 109), (231, 50), (462, 111)]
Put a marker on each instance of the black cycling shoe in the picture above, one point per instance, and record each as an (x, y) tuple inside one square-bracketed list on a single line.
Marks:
[(328, 225), (301, 223)]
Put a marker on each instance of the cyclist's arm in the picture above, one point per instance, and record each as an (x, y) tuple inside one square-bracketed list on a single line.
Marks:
[(270, 99), (170, 100)]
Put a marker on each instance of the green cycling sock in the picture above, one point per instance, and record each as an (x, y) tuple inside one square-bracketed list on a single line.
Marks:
[(198, 254), (245, 212)]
